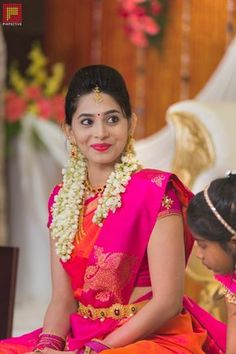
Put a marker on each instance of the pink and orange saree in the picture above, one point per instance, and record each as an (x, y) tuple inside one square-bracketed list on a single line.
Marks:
[(106, 266)]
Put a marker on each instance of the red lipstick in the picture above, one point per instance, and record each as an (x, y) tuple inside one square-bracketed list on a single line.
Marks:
[(101, 147)]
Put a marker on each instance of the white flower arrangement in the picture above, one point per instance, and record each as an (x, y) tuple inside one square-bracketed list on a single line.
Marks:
[(68, 204)]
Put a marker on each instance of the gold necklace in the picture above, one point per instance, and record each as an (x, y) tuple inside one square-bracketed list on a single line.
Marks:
[(94, 190)]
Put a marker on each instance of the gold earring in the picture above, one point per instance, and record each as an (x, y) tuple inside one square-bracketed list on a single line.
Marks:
[(73, 151), (130, 146)]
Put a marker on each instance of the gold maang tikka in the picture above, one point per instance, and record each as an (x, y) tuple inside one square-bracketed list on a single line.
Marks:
[(97, 94)]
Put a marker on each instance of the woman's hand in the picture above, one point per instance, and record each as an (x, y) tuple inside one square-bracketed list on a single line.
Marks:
[(51, 351)]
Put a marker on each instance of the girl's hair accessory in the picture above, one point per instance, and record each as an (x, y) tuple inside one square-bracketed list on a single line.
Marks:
[(215, 212)]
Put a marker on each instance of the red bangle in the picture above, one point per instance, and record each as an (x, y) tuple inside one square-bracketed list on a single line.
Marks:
[(48, 340)]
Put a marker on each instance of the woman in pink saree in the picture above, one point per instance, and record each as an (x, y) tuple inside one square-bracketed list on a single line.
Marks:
[(212, 218), (119, 241)]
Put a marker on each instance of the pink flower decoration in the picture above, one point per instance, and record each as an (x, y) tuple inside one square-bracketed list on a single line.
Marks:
[(45, 108), (150, 26), (140, 20), (58, 108), (131, 5), (156, 7), (33, 92), (138, 38), (15, 107), (134, 24)]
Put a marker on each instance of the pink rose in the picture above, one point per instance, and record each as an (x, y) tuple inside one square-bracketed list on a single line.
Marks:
[(135, 23), (139, 21), (139, 39), (131, 9), (15, 107), (156, 7), (150, 26), (45, 108), (58, 108), (33, 92), (130, 5)]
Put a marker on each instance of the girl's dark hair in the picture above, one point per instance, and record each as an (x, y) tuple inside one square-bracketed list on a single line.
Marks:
[(200, 218), (87, 78)]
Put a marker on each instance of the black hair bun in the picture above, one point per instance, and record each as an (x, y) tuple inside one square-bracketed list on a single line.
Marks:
[(231, 175)]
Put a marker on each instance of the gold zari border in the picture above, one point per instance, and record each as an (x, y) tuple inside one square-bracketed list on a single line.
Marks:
[(230, 297)]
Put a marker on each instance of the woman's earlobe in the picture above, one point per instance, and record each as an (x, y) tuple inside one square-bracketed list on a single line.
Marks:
[(66, 128), (68, 133)]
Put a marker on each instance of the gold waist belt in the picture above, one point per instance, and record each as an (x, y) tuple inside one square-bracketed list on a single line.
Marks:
[(116, 311)]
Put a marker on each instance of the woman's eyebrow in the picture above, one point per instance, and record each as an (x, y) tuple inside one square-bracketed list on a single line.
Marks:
[(111, 111), (95, 114)]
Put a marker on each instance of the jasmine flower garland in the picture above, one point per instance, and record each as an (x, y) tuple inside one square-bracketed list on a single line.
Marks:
[(67, 206), (69, 202), (116, 183)]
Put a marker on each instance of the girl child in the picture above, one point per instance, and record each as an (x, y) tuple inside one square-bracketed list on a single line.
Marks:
[(211, 216)]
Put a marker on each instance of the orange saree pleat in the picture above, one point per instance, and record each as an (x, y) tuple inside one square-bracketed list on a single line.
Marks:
[(8, 348), (180, 335), (85, 239)]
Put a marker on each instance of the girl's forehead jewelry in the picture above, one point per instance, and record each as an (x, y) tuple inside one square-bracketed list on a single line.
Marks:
[(216, 213), (97, 94)]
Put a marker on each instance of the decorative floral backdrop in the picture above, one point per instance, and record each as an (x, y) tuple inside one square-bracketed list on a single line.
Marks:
[(38, 91), (143, 20)]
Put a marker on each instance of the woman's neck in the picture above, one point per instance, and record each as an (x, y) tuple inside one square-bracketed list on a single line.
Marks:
[(98, 174)]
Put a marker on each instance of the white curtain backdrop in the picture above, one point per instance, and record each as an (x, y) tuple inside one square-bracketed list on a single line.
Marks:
[(33, 173), (222, 84)]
